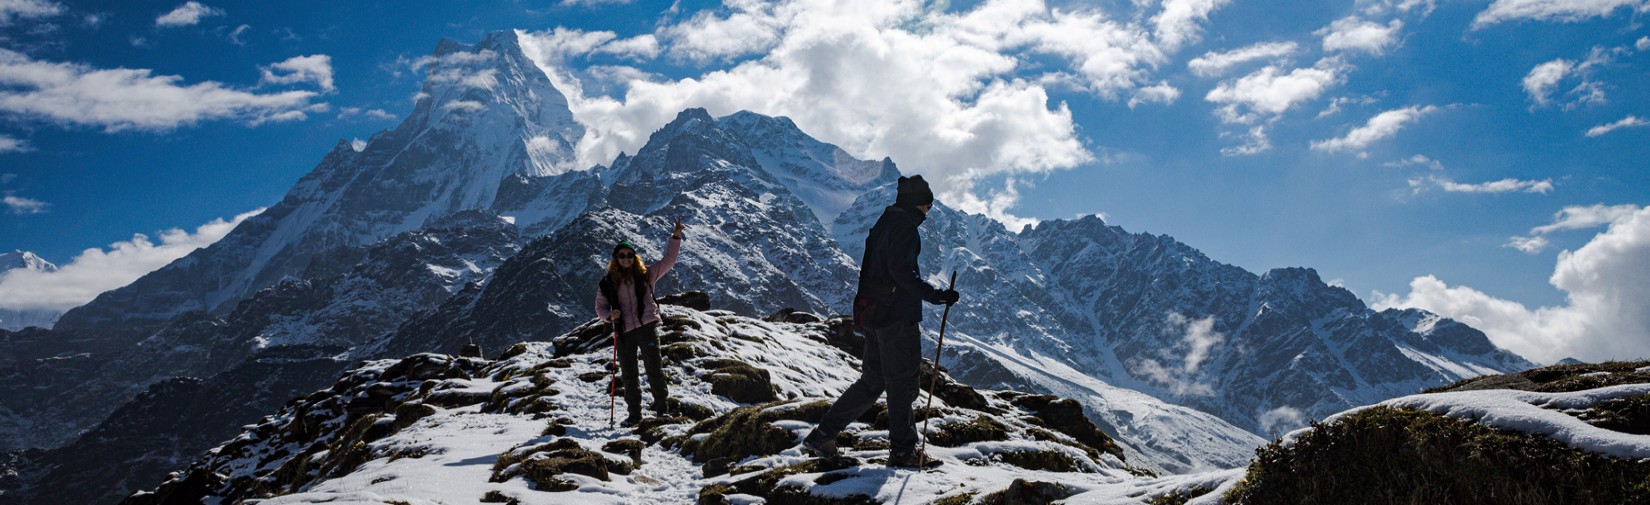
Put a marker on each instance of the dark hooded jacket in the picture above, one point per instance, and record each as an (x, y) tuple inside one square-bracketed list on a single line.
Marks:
[(890, 265)]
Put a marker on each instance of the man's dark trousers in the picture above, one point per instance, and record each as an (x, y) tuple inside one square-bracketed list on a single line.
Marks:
[(644, 339), (892, 353)]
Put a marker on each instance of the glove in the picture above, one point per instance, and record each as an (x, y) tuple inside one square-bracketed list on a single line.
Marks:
[(948, 297)]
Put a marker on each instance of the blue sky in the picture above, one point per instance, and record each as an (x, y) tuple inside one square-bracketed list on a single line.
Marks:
[(1482, 159)]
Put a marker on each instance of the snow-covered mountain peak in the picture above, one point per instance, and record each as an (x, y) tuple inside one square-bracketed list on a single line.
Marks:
[(25, 260)]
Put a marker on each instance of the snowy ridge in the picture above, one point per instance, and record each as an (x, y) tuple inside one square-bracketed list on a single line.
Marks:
[(432, 428), (1530, 413)]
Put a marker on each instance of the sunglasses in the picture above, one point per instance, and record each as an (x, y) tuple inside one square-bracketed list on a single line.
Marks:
[(624, 256)]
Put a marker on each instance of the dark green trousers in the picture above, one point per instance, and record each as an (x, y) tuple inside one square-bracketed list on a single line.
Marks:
[(646, 340)]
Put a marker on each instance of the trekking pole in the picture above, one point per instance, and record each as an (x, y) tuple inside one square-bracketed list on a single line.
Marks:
[(922, 453), (613, 378)]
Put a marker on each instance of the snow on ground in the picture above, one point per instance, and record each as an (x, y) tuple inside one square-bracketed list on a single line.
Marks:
[(1533, 413), (450, 457)]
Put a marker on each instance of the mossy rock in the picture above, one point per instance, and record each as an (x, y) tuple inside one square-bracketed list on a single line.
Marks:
[(1177, 497), (1558, 378), (517, 349), (1066, 416), (1626, 415), (977, 429), (715, 494), (739, 434), (497, 497), (681, 352), (629, 447), (1024, 492), (1045, 460), (1387, 455), (739, 381), (798, 495), (409, 413), (763, 484)]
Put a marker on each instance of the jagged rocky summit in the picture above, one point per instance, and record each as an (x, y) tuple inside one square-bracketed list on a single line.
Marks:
[(20, 318)]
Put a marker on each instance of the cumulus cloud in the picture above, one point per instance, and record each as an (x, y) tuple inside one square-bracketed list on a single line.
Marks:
[(1626, 122), (316, 68), (123, 99), (1551, 10), (1213, 64), (1544, 78), (1357, 34), (1270, 91), (956, 96), (1507, 185), (26, 9), (1158, 93), (1606, 314), (1380, 127), (97, 270), (9, 144), (187, 14), (1528, 245), (1197, 340), (1181, 21), (24, 206)]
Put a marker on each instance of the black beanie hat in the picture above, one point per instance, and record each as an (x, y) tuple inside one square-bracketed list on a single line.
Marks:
[(624, 244), (913, 192)]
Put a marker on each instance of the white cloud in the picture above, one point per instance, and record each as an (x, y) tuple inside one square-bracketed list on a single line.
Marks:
[(1551, 10), (1544, 78), (1418, 159), (97, 270), (591, 3), (1255, 142), (25, 9), (956, 96), (25, 206), (187, 14), (316, 68), (1357, 34), (1213, 64), (235, 36), (1507, 185), (1197, 340), (752, 28), (1158, 93), (1528, 245), (358, 145), (1643, 44), (122, 98), (465, 106), (1626, 122), (1269, 92), (350, 112), (1180, 21), (1606, 314), (1579, 218), (1382, 126), (9, 144), (1281, 420)]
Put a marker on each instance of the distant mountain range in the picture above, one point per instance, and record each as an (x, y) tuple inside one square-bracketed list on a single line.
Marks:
[(467, 223)]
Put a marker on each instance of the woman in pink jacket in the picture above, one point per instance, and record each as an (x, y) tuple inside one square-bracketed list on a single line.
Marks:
[(624, 297)]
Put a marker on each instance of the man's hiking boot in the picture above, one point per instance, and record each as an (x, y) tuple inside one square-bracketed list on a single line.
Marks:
[(824, 447), (633, 420), (910, 460), (659, 407)]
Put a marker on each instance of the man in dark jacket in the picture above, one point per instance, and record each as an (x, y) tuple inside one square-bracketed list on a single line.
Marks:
[(889, 281)]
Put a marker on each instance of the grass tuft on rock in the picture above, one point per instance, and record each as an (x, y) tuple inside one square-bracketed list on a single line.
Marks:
[(1386, 455)]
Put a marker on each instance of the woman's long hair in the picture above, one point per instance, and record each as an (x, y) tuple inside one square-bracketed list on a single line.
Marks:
[(617, 275)]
